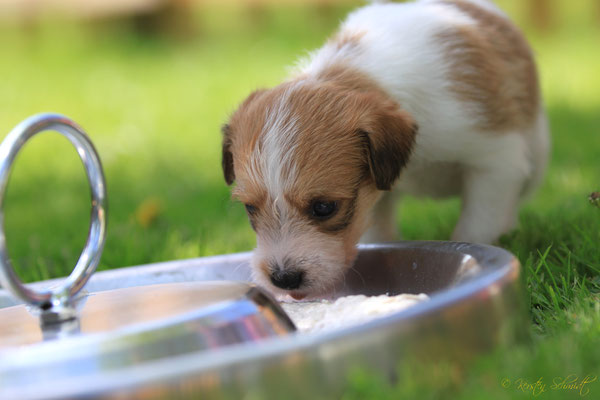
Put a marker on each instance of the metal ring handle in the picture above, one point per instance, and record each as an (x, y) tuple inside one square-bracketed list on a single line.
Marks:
[(61, 296)]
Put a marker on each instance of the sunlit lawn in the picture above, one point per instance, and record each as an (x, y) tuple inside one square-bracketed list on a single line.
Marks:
[(154, 107)]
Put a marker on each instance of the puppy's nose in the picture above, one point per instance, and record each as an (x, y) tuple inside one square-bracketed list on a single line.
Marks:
[(287, 279)]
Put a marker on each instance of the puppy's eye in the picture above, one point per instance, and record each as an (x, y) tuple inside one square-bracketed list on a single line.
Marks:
[(250, 209), (323, 209)]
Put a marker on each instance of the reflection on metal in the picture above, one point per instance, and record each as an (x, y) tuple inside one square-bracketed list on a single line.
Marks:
[(210, 314), (57, 304), (63, 330)]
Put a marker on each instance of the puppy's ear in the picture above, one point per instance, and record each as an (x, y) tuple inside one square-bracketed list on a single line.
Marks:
[(389, 136), (227, 156), (245, 116)]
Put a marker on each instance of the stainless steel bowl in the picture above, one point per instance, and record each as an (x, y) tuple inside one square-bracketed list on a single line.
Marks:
[(476, 304)]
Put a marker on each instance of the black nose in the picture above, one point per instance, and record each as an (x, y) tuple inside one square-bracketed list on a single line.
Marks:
[(287, 279)]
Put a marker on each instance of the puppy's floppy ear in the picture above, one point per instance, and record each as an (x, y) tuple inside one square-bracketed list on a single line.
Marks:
[(245, 117), (227, 156), (389, 136)]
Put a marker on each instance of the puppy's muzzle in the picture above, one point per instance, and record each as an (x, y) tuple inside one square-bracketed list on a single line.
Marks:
[(288, 279)]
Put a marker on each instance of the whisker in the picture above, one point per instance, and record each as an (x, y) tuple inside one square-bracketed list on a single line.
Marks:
[(359, 275), (241, 266)]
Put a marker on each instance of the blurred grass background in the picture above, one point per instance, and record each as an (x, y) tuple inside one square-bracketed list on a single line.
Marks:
[(153, 98), (152, 86)]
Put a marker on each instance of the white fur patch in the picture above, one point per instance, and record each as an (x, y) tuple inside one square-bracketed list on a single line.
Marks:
[(278, 147), (275, 149)]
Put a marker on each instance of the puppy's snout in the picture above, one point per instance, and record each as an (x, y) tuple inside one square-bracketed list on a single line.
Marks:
[(286, 279)]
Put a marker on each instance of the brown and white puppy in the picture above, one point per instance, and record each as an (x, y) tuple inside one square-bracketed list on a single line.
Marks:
[(441, 94)]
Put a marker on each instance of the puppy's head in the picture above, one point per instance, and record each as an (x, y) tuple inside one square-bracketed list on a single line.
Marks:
[(309, 158)]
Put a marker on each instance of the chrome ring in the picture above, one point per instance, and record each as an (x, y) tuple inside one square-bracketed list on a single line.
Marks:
[(59, 298)]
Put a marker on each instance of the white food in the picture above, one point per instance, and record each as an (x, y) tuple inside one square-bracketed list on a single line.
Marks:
[(315, 316)]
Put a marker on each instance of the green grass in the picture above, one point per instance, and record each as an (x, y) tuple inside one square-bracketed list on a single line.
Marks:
[(154, 106)]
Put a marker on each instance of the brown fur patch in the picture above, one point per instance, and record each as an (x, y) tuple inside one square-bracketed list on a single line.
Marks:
[(333, 114), (264, 268), (348, 122), (492, 66), (349, 79), (361, 219), (347, 39)]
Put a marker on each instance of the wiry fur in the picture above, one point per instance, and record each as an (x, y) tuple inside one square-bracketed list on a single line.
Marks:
[(440, 93)]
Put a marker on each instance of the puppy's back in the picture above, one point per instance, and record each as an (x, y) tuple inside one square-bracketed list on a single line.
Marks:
[(438, 58)]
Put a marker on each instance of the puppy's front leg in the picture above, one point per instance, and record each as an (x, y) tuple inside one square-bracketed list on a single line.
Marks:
[(383, 220), (489, 205)]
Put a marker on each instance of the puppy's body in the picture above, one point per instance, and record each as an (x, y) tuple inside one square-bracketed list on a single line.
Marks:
[(482, 130), (442, 93)]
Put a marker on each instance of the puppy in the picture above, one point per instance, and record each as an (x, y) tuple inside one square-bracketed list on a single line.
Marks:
[(435, 98)]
